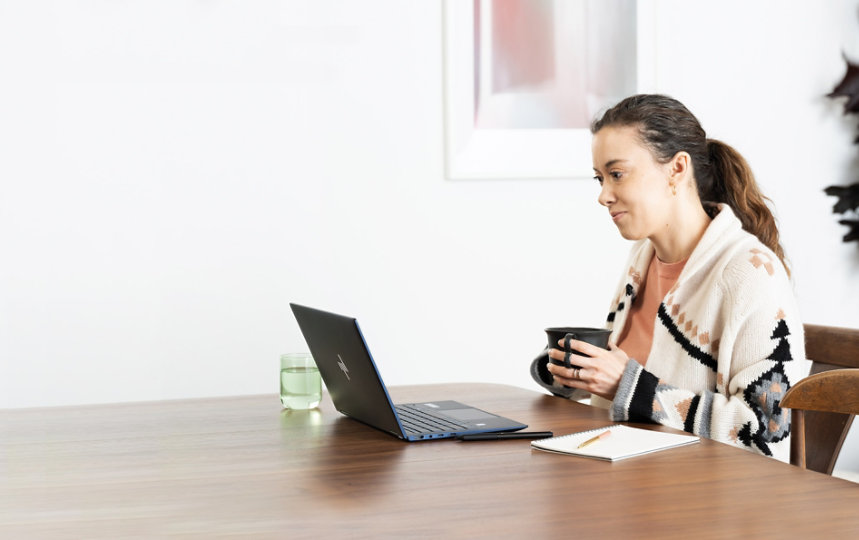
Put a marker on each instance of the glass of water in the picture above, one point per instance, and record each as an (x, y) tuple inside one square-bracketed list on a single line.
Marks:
[(300, 383)]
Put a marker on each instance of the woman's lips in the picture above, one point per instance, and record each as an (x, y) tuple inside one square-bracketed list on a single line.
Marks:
[(617, 215)]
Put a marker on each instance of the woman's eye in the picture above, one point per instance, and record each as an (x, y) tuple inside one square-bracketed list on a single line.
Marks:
[(598, 179), (616, 175)]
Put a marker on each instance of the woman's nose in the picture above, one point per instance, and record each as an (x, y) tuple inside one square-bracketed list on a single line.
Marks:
[(606, 197)]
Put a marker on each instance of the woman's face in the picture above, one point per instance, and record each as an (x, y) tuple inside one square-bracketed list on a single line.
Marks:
[(635, 187)]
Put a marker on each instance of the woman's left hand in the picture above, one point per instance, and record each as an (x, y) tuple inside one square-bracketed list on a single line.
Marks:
[(600, 374)]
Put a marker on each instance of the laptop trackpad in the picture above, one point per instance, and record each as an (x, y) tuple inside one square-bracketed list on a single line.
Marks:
[(467, 415), (461, 413)]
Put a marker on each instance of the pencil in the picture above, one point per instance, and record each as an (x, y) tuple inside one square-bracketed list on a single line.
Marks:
[(592, 440)]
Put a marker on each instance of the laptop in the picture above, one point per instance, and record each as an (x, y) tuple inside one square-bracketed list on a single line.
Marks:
[(357, 390)]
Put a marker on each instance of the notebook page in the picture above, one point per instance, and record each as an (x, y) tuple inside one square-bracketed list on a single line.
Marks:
[(624, 442)]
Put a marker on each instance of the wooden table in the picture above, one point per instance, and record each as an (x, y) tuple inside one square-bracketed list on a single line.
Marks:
[(241, 467)]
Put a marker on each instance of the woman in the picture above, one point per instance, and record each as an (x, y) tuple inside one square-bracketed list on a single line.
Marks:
[(706, 335)]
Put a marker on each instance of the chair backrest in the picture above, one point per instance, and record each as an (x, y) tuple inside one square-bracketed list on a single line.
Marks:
[(819, 433)]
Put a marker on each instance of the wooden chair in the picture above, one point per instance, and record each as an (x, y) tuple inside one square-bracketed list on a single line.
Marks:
[(823, 404)]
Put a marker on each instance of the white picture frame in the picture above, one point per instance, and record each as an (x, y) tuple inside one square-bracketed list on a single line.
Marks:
[(480, 153)]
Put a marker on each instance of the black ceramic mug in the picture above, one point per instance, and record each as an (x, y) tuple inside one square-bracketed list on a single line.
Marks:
[(595, 336)]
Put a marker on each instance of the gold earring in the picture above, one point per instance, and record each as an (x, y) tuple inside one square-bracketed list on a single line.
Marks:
[(674, 189)]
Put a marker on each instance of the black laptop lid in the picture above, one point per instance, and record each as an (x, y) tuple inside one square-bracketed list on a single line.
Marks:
[(346, 366)]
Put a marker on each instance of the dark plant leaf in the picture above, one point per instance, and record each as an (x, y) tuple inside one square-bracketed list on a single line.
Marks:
[(854, 229), (849, 87), (848, 197)]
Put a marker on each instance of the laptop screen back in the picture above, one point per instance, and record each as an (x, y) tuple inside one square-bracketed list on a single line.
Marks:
[(347, 367)]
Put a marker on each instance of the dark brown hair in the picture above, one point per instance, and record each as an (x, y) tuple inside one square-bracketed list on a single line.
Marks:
[(722, 175)]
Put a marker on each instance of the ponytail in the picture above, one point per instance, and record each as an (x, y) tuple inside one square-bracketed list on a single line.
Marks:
[(733, 183)]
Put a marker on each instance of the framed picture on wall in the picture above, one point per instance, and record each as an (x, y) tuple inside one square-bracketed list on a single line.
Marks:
[(525, 78)]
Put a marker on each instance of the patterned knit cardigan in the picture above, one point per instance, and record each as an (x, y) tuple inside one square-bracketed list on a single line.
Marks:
[(727, 343)]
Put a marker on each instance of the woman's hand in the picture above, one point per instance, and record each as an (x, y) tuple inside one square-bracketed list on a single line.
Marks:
[(600, 374)]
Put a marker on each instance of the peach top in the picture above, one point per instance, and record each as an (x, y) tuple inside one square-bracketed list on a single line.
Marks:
[(636, 338)]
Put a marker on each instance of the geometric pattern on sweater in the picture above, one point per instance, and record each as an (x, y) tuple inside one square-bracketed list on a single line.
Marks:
[(764, 397), (687, 408), (675, 329), (628, 295), (723, 350), (762, 259), (690, 348), (782, 351)]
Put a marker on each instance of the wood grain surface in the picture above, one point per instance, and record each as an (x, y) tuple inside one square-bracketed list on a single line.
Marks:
[(242, 467)]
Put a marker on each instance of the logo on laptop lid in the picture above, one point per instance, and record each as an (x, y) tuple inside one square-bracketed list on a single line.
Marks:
[(343, 368)]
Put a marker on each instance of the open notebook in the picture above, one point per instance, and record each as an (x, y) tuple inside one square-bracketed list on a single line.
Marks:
[(623, 442)]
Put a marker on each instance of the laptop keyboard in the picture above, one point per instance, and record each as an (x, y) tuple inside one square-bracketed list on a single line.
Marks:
[(417, 421)]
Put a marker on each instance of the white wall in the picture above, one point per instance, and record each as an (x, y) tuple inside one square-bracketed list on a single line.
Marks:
[(174, 173)]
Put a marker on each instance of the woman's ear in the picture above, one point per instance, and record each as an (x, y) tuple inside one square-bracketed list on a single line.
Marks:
[(679, 168)]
